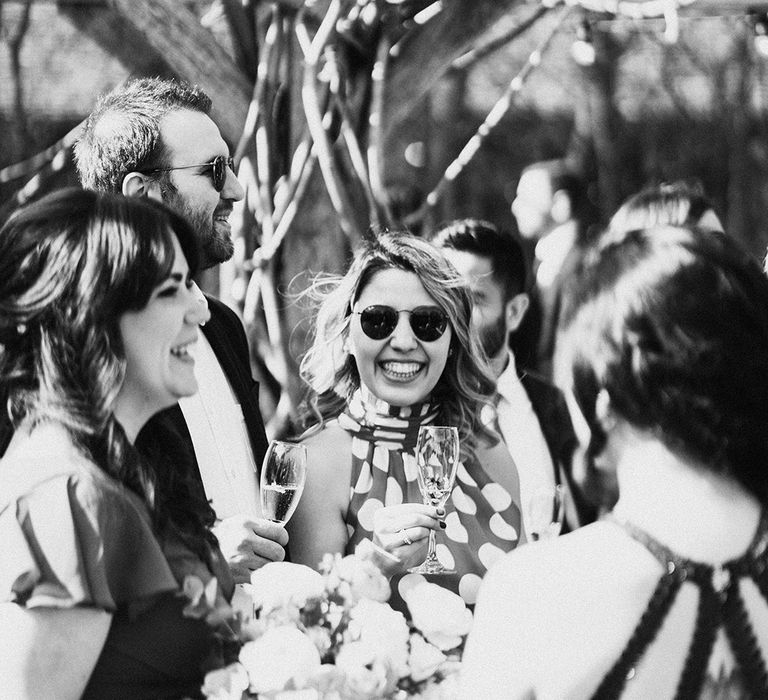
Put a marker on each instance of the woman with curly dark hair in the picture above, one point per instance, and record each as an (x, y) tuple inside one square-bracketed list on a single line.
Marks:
[(665, 363), (98, 321), (393, 351)]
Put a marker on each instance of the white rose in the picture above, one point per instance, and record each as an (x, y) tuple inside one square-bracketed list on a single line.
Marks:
[(439, 614), (226, 683), (327, 681), (366, 675), (281, 584), (280, 654), (385, 629), (365, 579), (425, 658)]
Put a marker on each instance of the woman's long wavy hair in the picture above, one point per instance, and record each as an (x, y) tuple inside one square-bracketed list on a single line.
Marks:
[(330, 370), (70, 265), (673, 324)]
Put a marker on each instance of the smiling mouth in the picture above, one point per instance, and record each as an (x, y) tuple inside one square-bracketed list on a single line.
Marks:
[(401, 371), (185, 352)]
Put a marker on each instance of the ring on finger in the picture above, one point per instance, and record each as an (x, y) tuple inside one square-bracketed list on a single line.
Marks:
[(403, 532)]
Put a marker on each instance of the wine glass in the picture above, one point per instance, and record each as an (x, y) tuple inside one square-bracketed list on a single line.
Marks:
[(546, 510), (437, 458), (282, 479)]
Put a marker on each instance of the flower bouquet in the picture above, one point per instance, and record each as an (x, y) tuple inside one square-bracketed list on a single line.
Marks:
[(331, 635)]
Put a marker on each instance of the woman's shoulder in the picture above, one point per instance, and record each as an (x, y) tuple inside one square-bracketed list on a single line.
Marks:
[(593, 562), (326, 437), (329, 450), (42, 461), (551, 597), (74, 535)]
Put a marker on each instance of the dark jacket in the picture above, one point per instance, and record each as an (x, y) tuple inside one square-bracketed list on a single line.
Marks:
[(549, 405)]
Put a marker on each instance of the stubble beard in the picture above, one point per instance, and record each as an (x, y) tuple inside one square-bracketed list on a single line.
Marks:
[(216, 245), (494, 337)]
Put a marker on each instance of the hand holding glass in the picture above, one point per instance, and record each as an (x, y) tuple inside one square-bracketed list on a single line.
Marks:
[(282, 480), (545, 512), (437, 459)]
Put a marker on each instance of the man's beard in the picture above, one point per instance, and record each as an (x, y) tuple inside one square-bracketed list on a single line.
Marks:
[(218, 248), (494, 337), (216, 244)]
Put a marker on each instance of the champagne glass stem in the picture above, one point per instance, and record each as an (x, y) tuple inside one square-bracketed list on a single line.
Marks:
[(431, 559)]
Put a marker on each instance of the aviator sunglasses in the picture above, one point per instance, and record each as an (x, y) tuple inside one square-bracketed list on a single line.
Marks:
[(218, 167), (428, 323)]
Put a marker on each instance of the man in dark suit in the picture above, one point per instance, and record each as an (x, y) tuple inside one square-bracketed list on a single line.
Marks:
[(155, 138), (531, 414)]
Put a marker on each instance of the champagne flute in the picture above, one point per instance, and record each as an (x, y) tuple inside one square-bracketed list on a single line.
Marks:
[(282, 479), (546, 510), (437, 459)]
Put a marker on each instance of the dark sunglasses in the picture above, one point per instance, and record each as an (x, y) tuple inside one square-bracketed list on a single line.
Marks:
[(427, 322), (218, 167)]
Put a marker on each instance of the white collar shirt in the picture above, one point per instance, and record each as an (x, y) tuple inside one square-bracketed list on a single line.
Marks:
[(520, 428), (220, 439)]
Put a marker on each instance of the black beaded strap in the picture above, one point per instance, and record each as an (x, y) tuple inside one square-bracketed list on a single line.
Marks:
[(702, 641), (645, 632), (720, 604), (741, 636)]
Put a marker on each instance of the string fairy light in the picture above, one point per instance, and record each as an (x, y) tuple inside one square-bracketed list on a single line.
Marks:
[(498, 110)]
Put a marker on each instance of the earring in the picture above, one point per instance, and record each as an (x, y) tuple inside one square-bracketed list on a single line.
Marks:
[(603, 411), (450, 352)]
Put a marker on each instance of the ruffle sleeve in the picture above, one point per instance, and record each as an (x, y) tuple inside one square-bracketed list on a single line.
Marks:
[(78, 540)]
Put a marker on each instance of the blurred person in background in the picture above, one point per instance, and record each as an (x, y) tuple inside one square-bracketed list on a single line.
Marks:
[(664, 361), (552, 207)]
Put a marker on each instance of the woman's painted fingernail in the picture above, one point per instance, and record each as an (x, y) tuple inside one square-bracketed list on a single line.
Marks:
[(441, 512), (443, 525)]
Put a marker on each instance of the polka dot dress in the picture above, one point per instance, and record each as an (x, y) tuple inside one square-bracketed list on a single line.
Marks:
[(482, 519)]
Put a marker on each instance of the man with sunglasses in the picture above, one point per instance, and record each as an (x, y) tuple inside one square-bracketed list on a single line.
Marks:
[(531, 414), (155, 138)]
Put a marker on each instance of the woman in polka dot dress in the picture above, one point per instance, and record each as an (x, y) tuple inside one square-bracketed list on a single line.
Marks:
[(392, 351)]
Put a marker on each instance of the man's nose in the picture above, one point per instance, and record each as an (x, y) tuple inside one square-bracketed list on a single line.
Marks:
[(232, 188)]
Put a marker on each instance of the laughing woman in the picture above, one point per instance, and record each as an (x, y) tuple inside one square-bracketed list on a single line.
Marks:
[(393, 352), (97, 315)]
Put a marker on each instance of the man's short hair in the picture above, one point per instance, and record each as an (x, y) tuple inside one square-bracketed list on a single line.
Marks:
[(122, 133), (509, 263)]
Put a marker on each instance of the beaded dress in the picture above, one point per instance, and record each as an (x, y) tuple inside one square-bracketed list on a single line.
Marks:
[(482, 518), (721, 611)]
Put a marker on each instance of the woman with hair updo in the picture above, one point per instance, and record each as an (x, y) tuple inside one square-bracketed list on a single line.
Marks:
[(98, 321), (676, 203), (392, 352), (665, 362)]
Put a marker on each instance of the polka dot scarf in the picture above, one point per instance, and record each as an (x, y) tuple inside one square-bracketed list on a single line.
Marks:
[(482, 519)]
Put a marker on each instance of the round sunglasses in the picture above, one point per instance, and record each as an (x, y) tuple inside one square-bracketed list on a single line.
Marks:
[(218, 167), (428, 323)]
